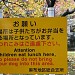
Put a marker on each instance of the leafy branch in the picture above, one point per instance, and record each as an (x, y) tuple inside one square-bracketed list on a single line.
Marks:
[(68, 12), (12, 3)]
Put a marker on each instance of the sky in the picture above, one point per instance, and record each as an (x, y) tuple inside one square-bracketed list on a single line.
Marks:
[(1, 14)]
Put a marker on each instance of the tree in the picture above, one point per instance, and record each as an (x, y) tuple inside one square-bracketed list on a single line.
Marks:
[(50, 3)]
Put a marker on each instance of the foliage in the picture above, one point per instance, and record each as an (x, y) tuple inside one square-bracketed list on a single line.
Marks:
[(33, 8)]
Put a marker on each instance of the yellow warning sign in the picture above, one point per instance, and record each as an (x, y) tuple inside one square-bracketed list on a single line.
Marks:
[(33, 45)]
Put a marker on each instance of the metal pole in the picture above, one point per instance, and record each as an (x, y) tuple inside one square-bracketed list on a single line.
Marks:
[(51, 13)]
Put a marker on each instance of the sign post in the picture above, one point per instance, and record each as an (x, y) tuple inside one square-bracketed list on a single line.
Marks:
[(51, 13)]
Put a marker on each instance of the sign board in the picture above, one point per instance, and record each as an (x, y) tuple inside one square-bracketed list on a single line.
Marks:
[(33, 45)]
